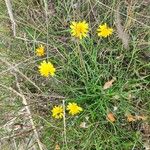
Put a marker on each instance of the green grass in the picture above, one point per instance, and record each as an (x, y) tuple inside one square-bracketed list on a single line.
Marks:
[(82, 69)]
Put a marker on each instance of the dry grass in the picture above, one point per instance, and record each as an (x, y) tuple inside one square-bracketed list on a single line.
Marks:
[(27, 98)]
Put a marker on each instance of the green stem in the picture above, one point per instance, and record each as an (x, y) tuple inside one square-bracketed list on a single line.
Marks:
[(82, 64)]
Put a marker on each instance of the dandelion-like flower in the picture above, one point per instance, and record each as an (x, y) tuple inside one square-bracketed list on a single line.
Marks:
[(104, 30), (74, 109), (40, 51), (79, 29), (57, 112), (46, 69)]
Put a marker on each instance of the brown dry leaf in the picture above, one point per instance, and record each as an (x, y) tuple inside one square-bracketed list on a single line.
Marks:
[(108, 84), (83, 125), (111, 117), (141, 117), (130, 118), (57, 147)]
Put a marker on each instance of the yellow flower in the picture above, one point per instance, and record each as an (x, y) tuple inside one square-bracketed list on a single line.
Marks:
[(46, 69), (73, 108), (57, 112), (79, 29), (104, 30), (40, 51)]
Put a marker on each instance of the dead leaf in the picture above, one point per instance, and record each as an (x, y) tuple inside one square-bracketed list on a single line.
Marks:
[(57, 147), (111, 117), (108, 84), (141, 117), (130, 118), (83, 125)]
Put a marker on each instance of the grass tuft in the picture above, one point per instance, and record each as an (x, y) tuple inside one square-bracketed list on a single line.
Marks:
[(82, 69)]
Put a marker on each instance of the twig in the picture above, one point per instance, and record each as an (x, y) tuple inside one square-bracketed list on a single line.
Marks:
[(16, 135), (46, 19), (122, 34), (64, 122), (28, 40), (46, 96), (10, 12), (17, 70), (16, 65), (56, 128), (24, 101), (41, 42), (122, 13)]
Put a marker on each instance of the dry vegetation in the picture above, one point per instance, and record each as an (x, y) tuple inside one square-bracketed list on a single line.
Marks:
[(109, 78)]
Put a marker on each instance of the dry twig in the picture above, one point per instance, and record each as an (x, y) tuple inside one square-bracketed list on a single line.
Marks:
[(123, 35), (10, 12), (24, 101), (64, 120), (17, 70)]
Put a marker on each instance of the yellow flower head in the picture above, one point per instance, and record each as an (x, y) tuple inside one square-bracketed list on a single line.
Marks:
[(79, 29), (104, 30), (40, 51), (46, 69), (57, 112), (73, 108)]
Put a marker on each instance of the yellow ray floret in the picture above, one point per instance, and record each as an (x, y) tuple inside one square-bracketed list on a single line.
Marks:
[(104, 30), (46, 69), (40, 51), (79, 29), (73, 108), (57, 112)]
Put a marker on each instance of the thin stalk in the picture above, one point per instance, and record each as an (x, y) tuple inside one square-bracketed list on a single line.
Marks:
[(82, 64)]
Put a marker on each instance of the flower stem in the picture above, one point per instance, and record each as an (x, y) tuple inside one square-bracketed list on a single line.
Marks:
[(82, 64)]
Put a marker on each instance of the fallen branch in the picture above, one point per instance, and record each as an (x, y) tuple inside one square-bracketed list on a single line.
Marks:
[(64, 123), (122, 34), (17, 70), (10, 12), (24, 101)]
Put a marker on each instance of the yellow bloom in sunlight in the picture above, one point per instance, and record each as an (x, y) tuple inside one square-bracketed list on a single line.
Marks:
[(73, 108), (104, 30), (57, 112), (46, 69), (79, 29), (40, 51)]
